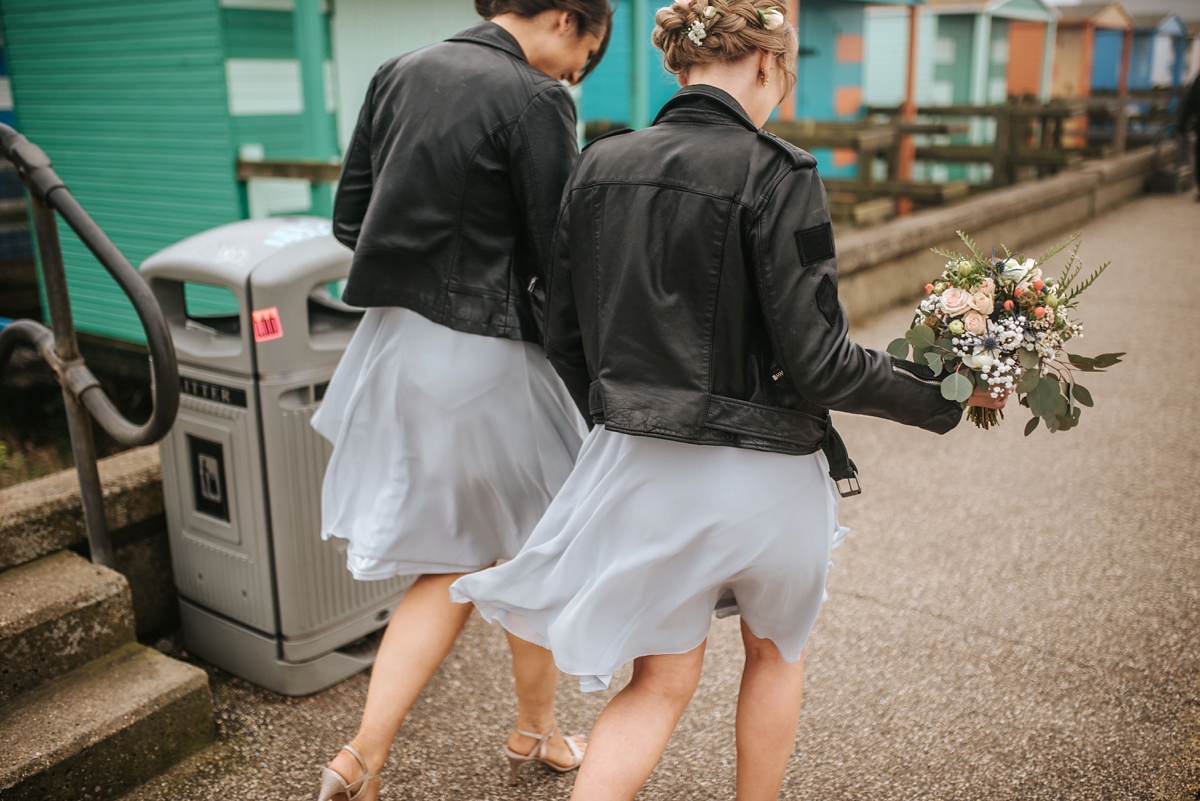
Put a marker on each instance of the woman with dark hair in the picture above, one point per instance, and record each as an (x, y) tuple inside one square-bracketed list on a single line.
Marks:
[(451, 431), (693, 314)]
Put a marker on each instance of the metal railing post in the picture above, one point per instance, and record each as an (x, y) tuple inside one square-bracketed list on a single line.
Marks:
[(83, 396), (66, 348)]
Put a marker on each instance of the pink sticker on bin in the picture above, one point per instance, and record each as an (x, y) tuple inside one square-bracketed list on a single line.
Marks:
[(267, 325)]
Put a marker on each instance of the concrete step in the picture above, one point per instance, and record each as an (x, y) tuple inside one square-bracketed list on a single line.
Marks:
[(57, 614), (43, 516), (103, 728)]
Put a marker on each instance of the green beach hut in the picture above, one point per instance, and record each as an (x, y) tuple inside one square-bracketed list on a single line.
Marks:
[(145, 106)]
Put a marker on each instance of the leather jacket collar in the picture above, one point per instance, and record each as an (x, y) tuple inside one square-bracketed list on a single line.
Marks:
[(492, 35), (704, 103)]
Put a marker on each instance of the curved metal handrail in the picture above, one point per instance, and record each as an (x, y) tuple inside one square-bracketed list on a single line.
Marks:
[(58, 346)]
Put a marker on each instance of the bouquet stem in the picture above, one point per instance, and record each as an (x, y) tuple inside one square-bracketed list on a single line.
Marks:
[(984, 418)]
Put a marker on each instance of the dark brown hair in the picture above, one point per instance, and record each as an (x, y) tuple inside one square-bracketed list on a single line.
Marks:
[(593, 16), (735, 32)]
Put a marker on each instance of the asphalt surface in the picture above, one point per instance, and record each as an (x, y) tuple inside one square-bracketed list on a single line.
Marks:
[(1009, 618)]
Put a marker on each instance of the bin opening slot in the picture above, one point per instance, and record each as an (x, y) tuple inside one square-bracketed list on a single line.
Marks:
[(211, 309), (327, 313)]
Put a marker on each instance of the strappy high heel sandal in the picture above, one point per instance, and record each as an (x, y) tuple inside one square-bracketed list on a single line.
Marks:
[(538, 754), (333, 785)]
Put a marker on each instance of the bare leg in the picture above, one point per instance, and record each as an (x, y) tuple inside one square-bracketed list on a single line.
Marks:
[(768, 714), (417, 640), (632, 732), (537, 681)]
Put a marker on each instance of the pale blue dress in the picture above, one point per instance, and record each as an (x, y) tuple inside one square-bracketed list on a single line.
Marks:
[(448, 447), (648, 535)]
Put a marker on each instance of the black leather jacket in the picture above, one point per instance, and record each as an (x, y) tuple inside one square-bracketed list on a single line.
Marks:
[(452, 183), (693, 294)]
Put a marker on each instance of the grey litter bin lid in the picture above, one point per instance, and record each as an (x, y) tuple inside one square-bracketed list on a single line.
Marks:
[(277, 270)]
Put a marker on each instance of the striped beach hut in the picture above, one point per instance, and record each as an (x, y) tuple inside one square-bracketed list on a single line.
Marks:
[(968, 53), (981, 52), (1089, 50), (146, 105)]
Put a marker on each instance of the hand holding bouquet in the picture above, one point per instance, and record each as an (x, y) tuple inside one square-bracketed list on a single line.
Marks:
[(994, 327)]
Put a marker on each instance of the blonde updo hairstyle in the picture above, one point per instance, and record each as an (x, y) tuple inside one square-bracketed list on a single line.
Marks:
[(736, 31)]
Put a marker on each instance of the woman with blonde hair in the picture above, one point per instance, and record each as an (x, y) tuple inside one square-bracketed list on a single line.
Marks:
[(451, 432), (693, 314)]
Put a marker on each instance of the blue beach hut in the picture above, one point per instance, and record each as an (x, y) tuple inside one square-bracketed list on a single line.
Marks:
[(1159, 51), (1090, 49)]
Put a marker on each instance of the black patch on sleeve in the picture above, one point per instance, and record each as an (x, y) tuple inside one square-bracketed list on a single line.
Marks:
[(815, 244), (827, 299)]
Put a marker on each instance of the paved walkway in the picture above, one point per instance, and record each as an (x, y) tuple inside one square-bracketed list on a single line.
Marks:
[(1010, 618)]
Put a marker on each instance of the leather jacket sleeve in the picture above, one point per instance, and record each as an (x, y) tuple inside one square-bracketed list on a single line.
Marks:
[(542, 152), (797, 276), (357, 181), (564, 338)]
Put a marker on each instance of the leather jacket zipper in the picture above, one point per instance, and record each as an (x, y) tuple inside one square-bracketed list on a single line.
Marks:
[(931, 382)]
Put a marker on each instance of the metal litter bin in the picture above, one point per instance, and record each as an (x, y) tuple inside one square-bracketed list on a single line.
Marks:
[(261, 595)]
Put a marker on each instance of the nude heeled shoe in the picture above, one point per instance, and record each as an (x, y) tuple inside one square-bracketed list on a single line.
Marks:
[(538, 754), (333, 785)]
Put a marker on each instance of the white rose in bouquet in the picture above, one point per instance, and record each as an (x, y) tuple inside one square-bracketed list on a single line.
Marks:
[(982, 303), (956, 301), (975, 323)]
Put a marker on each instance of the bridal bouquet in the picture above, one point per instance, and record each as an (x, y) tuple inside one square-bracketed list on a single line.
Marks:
[(995, 326)]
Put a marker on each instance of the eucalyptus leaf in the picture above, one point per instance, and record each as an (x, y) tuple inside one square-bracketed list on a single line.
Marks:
[(898, 348), (944, 344), (1052, 423), (1081, 395), (1043, 397), (920, 336), (1028, 381), (956, 387), (1061, 406), (1065, 422), (1032, 425), (1083, 363), (1029, 359), (919, 355), (934, 360)]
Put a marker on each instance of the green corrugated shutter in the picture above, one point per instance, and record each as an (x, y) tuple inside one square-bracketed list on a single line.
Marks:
[(128, 99)]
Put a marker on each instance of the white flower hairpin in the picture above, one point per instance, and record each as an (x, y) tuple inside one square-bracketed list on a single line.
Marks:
[(771, 19), (698, 30)]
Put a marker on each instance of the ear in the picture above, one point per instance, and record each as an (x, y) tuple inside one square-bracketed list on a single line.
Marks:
[(682, 78), (766, 63), (564, 24)]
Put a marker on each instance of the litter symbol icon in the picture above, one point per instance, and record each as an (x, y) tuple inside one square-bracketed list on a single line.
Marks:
[(210, 478), (210, 493), (267, 325)]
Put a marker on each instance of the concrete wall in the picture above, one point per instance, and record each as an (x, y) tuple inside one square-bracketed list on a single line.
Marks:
[(880, 267)]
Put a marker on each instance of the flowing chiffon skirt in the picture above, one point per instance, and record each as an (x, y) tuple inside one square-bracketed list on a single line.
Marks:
[(448, 447), (644, 539)]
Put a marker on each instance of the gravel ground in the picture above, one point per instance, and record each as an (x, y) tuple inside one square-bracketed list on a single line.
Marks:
[(1007, 619)]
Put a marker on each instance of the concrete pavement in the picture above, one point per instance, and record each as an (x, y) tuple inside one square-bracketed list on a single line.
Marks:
[(1010, 618)]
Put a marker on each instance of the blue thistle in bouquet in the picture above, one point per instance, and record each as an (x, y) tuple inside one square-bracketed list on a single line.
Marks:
[(993, 327)]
